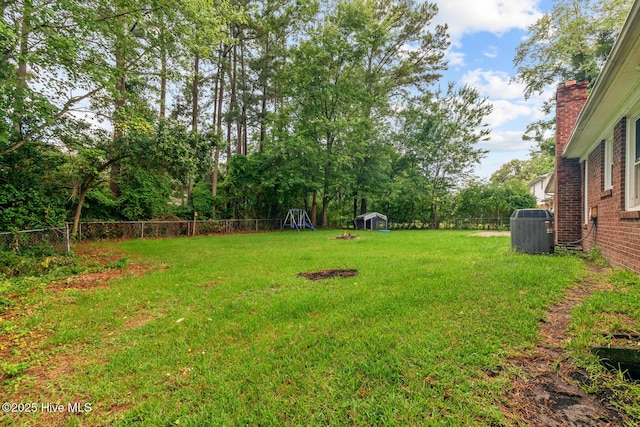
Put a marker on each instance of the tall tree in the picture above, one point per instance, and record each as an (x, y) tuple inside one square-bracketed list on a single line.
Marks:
[(571, 42), (343, 79), (441, 133)]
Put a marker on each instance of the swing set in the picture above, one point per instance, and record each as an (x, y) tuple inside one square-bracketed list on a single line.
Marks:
[(298, 219)]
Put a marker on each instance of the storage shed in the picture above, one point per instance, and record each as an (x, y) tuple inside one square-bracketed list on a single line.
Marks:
[(370, 221)]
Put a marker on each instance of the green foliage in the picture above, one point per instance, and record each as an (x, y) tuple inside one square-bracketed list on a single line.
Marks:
[(34, 263), (571, 42), (13, 369), (144, 193), (319, 85), (121, 263), (524, 171), (480, 200), (100, 205), (30, 194), (595, 256), (438, 137)]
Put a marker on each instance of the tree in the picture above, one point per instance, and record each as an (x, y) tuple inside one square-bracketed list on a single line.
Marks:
[(492, 200), (440, 133), (571, 42), (342, 82), (32, 195)]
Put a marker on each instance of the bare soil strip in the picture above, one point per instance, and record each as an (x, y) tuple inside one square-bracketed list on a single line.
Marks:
[(548, 392)]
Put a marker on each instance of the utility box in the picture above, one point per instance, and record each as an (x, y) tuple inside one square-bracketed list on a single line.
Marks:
[(532, 231)]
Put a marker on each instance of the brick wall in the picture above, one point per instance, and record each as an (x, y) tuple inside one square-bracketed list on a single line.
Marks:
[(568, 186), (617, 232)]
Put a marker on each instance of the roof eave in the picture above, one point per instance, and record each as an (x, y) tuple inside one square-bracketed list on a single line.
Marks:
[(607, 96)]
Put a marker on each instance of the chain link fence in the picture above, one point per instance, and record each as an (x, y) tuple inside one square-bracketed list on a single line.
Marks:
[(146, 229), (57, 240), (456, 224), (41, 241)]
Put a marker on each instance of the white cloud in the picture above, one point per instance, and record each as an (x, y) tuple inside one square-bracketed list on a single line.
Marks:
[(507, 111), (491, 52), (493, 84), (506, 96), (503, 147), (495, 16), (455, 59), (505, 142)]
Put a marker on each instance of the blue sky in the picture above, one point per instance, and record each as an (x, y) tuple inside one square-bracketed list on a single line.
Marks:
[(484, 36)]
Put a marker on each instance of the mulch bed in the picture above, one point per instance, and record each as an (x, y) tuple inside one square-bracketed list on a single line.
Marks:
[(328, 274)]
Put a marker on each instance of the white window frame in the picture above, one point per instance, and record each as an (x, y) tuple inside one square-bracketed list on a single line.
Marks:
[(608, 163), (632, 190), (586, 190)]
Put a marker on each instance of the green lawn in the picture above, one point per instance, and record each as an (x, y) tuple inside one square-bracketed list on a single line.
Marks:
[(223, 332)]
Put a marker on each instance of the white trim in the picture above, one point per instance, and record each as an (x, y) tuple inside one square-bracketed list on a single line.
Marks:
[(632, 168), (608, 163), (586, 192)]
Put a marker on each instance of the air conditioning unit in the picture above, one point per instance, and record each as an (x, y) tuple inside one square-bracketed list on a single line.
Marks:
[(532, 231)]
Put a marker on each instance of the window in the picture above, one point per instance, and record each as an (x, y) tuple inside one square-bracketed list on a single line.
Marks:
[(608, 164), (636, 163), (633, 165)]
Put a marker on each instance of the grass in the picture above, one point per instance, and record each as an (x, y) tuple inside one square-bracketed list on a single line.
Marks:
[(227, 334)]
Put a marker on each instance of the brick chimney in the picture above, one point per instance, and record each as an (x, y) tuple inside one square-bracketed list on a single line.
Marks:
[(570, 99)]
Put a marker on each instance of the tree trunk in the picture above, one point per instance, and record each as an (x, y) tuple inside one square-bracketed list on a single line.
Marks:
[(314, 208), (355, 205), (114, 184), (263, 105), (325, 209), (21, 93), (216, 157), (234, 101), (363, 206), (76, 216), (195, 91), (243, 87), (216, 166), (84, 189), (190, 191), (163, 80)]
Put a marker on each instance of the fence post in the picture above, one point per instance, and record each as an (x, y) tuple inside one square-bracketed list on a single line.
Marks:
[(195, 216), (142, 229), (67, 241)]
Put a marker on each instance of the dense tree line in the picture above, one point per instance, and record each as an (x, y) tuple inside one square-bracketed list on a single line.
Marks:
[(134, 109)]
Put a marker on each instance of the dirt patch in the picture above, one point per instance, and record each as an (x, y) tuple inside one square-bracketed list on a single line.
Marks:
[(548, 393), (491, 234), (16, 345), (328, 274), (138, 321), (346, 236)]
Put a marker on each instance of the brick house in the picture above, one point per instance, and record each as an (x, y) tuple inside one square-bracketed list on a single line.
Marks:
[(597, 178)]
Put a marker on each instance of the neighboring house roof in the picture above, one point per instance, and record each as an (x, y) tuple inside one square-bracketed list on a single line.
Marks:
[(539, 188), (551, 185), (540, 178), (616, 88)]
